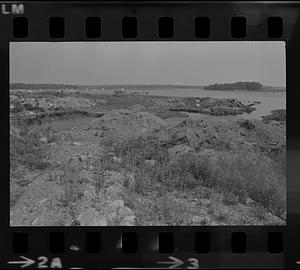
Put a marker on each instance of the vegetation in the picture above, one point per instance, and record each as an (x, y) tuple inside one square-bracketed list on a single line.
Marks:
[(194, 173), (235, 86), (237, 176)]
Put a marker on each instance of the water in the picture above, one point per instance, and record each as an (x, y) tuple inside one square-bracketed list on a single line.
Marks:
[(269, 100), (66, 123)]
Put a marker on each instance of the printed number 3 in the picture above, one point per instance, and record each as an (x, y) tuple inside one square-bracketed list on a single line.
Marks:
[(194, 263)]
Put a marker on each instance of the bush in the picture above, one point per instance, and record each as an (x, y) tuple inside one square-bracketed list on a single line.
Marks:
[(187, 171), (163, 211), (258, 212), (203, 192), (28, 106), (16, 192), (26, 149), (237, 176), (72, 190), (230, 199), (257, 178)]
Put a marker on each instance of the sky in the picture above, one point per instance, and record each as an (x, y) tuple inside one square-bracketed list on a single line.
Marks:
[(185, 63)]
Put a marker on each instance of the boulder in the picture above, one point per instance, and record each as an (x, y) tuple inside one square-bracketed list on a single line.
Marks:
[(112, 177), (123, 122), (77, 143), (128, 221), (179, 150), (91, 217), (82, 157), (137, 107), (197, 219), (250, 201), (114, 192), (114, 205), (90, 192), (201, 220), (150, 162), (247, 124), (44, 139)]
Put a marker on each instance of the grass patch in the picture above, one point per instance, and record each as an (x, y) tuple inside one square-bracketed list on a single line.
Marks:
[(237, 176)]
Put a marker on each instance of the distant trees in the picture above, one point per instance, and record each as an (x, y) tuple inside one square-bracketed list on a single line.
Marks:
[(235, 86), (42, 86)]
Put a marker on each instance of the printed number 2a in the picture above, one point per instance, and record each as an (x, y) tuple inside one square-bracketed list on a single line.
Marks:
[(55, 263)]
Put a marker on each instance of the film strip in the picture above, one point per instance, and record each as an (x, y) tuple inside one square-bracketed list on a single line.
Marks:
[(204, 245)]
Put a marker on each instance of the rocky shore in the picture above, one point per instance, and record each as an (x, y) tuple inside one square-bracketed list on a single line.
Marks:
[(131, 166)]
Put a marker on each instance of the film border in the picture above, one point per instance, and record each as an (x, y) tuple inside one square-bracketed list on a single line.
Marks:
[(147, 14)]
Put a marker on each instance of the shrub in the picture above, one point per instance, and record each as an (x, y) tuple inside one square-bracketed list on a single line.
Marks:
[(188, 171), (230, 199), (72, 189), (16, 192), (129, 199), (28, 106), (258, 212), (50, 134), (27, 149), (163, 211), (214, 204), (257, 178), (203, 192)]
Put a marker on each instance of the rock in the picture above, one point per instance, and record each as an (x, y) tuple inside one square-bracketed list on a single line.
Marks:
[(137, 107), (111, 218), (91, 217), (77, 143), (86, 175), (111, 178), (82, 157), (114, 205), (243, 133), (200, 220), (42, 201), (247, 124), (116, 159), (129, 181), (90, 192), (179, 150), (114, 192), (126, 211), (128, 221), (274, 122), (44, 139), (196, 219), (151, 162), (126, 123), (35, 221), (249, 201)]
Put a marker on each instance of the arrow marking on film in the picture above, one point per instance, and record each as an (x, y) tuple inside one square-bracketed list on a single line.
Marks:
[(26, 262), (174, 262)]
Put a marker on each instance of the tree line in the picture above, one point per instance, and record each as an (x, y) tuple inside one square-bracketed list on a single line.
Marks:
[(235, 86)]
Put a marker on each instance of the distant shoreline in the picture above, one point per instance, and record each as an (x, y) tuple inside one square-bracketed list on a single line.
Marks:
[(136, 87)]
